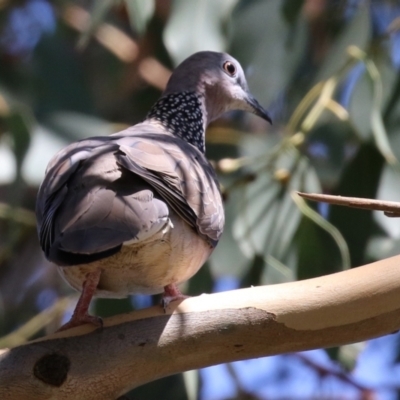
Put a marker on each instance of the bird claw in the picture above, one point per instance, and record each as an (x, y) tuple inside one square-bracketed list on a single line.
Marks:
[(78, 320), (166, 300), (171, 293)]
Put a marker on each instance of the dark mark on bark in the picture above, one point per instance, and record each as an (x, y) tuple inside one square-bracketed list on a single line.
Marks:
[(52, 369)]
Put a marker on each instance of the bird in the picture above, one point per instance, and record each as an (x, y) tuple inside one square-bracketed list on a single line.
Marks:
[(140, 211)]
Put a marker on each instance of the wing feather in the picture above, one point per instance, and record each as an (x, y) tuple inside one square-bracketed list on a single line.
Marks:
[(102, 192)]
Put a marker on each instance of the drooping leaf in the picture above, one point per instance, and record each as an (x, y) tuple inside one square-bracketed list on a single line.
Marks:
[(329, 147), (263, 40), (316, 251), (140, 12), (389, 190), (321, 222), (360, 107), (19, 125), (267, 218), (75, 126), (98, 12), (227, 258), (360, 178), (380, 247), (291, 10), (357, 32), (196, 25)]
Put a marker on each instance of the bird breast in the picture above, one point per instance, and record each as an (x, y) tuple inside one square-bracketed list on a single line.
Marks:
[(172, 255)]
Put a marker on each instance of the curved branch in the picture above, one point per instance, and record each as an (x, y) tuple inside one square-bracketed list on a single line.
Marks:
[(145, 345)]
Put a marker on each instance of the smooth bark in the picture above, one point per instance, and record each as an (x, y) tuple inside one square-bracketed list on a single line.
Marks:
[(145, 345)]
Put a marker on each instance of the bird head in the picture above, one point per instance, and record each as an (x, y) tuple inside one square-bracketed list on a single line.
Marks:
[(219, 80)]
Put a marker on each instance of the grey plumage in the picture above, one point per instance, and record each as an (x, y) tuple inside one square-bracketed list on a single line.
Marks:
[(143, 205), (181, 114)]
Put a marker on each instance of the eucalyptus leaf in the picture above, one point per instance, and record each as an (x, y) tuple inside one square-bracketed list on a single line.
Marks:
[(377, 124), (380, 247), (44, 145), (191, 380), (360, 178), (357, 32), (267, 219), (8, 170), (75, 126), (196, 25), (389, 190), (140, 12), (98, 12), (270, 48), (317, 253), (360, 107), (256, 215), (291, 10), (19, 124), (329, 146), (227, 258)]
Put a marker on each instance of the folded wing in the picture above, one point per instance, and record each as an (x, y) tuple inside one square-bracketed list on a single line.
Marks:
[(103, 192)]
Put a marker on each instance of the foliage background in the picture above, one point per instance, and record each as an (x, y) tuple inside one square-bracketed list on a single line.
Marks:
[(328, 72)]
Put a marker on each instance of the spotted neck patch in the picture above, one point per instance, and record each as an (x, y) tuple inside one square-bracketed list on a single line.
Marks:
[(181, 113)]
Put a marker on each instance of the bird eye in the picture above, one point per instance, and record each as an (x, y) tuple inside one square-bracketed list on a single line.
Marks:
[(229, 68)]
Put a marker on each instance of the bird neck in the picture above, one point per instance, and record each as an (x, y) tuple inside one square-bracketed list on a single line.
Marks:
[(183, 114)]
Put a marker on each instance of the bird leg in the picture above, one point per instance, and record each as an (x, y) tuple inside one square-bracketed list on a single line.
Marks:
[(171, 293), (81, 314)]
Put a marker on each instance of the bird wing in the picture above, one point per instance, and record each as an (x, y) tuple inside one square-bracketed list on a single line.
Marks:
[(181, 175), (102, 192), (88, 206)]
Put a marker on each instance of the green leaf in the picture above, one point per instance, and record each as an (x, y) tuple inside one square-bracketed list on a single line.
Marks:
[(317, 252), (360, 178), (376, 119), (227, 258), (267, 218), (357, 32), (271, 48), (336, 141), (44, 144), (75, 126), (98, 13), (389, 190), (291, 10), (196, 25), (257, 213), (381, 247), (327, 227), (360, 108), (192, 383), (140, 12), (377, 124), (254, 273), (19, 125)]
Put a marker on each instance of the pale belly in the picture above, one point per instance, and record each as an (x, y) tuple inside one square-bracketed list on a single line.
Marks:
[(171, 256)]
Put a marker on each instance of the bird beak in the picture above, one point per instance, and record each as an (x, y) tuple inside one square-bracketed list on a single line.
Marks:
[(256, 109)]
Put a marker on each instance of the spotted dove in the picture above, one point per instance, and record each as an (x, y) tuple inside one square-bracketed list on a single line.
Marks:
[(140, 211)]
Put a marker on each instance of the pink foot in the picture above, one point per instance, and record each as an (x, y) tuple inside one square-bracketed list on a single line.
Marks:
[(171, 293), (81, 314)]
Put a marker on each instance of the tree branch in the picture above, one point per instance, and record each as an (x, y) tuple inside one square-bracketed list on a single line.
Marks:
[(145, 345)]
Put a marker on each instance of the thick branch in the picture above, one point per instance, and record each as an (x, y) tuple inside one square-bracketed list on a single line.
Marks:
[(142, 346)]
